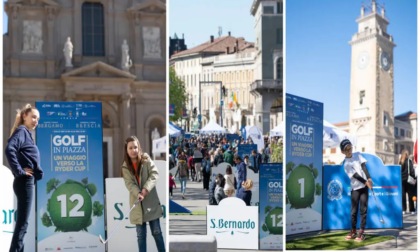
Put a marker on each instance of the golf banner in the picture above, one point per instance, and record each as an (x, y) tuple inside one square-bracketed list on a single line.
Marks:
[(304, 129), (383, 212), (70, 197), (121, 234), (271, 206)]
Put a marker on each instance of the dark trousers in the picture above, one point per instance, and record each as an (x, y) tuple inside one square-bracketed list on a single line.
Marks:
[(359, 199), (171, 191), (23, 188), (409, 189), (206, 180)]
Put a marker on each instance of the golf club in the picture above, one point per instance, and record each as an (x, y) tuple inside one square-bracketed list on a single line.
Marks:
[(105, 241), (377, 206)]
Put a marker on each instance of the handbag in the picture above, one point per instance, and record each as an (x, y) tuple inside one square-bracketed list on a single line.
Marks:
[(410, 179)]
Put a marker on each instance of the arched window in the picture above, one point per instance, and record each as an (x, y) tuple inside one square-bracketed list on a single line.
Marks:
[(93, 30)]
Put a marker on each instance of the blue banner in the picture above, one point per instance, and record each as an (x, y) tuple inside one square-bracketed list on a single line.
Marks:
[(232, 137), (386, 185), (246, 149), (271, 206), (70, 197), (304, 130)]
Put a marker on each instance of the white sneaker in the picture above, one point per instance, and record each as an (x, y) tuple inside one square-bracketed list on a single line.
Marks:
[(403, 212), (413, 213)]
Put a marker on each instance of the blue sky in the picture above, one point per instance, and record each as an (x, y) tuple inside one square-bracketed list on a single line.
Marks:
[(318, 53), (197, 20)]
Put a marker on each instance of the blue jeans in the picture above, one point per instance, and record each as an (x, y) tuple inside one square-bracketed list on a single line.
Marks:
[(156, 232), (183, 182), (23, 188)]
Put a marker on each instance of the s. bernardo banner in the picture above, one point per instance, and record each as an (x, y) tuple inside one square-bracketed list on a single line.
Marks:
[(70, 201)]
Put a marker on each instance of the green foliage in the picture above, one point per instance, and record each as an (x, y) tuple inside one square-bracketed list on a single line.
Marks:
[(177, 94), (92, 189), (98, 209), (289, 167), (276, 152), (46, 220), (85, 181), (318, 189), (52, 184), (315, 172)]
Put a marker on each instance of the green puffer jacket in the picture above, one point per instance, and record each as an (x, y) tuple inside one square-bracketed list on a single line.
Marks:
[(150, 206)]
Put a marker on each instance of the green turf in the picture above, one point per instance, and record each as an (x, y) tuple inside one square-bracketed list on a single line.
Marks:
[(333, 241)]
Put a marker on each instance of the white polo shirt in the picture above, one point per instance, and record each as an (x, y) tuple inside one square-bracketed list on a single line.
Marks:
[(354, 165)]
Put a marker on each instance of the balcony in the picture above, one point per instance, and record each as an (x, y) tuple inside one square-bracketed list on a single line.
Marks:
[(267, 86)]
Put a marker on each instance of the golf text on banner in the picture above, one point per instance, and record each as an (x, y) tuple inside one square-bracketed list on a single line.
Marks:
[(70, 197), (303, 164), (271, 206)]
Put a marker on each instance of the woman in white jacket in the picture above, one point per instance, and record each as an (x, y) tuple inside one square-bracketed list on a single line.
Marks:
[(230, 185)]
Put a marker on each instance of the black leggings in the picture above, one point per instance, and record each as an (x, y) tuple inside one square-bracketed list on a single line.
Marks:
[(359, 198)]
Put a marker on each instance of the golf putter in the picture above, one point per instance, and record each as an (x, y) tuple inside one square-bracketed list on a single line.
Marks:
[(377, 206), (105, 241)]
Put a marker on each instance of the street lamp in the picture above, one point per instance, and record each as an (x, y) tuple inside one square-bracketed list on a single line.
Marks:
[(199, 100)]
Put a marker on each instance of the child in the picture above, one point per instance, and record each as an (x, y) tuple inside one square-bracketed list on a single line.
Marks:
[(355, 167), (171, 184)]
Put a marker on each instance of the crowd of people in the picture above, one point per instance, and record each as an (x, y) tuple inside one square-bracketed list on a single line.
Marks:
[(196, 157)]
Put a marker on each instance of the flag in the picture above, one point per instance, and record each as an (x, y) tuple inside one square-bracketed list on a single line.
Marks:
[(231, 100), (235, 99)]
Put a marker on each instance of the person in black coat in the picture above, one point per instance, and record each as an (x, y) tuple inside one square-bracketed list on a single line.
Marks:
[(407, 188)]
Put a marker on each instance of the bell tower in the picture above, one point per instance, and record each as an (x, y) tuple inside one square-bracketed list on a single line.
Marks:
[(372, 84)]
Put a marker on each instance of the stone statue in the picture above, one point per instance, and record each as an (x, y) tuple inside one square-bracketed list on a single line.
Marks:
[(68, 52), (32, 36), (155, 134), (151, 39), (126, 62)]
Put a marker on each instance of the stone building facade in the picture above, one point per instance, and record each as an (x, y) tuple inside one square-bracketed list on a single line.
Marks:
[(116, 54)]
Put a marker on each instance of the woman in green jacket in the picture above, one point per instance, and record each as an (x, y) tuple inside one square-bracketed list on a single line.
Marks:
[(140, 176)]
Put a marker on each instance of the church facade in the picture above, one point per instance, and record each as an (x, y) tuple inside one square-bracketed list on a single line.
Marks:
[(99, 50)]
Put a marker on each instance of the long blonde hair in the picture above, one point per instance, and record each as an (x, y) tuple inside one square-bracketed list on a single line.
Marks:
[(403, 157), (19, 116)]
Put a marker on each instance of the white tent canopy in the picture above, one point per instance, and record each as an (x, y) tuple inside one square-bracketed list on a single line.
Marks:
[(173, 132), (332, 136), (212, 127), (277, 131), (256, 135)]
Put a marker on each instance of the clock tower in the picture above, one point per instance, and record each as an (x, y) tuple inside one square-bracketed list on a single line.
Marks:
[(372, 84)]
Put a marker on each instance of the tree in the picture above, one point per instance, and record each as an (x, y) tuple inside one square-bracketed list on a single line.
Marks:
[(177, 94)]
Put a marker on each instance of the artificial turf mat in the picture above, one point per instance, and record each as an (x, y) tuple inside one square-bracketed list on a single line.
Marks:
[(333, 241)]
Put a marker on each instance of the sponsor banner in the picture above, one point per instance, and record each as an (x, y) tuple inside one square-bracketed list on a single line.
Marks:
[(304, 130), (246, 149), (234, 224), (386, 185), (171, 109), (271, 206), (232, 137), (70, 201), (8, 208), (123, 235)]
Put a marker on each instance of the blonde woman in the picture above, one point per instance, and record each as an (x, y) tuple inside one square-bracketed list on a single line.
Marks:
[(24, 161), (245, 192), (407, 188), (140, 175)]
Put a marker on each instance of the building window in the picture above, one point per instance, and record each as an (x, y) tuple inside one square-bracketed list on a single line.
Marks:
[(385, 122), (279, 8), (268, 10), (93, 29), (395, 131), (409, 133), (279, 64), (333, 150), (259, 119), (361, 96), (363, 149), (385, 145), (279, 36), (402, 132)]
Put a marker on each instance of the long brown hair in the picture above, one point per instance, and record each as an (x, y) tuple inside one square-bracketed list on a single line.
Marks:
[(403, 157), (19, 116), (127, 158)]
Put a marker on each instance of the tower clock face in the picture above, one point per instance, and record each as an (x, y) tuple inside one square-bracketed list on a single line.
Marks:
[(363, 59), (385, 61)]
